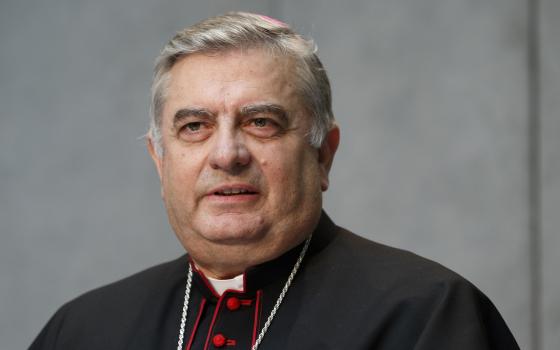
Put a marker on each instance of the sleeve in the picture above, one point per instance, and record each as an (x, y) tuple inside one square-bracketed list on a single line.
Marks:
[(463, 318), (48, 337)]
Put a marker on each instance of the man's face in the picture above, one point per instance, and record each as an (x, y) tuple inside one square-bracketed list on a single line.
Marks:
[(240, 181)]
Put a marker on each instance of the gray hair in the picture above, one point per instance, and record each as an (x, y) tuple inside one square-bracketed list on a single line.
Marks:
[(242, 31)]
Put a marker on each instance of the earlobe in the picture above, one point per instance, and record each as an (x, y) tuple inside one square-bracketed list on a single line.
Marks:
[(326, 154)]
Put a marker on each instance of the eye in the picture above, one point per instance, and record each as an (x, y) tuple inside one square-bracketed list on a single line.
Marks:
[(260, 122), (195, 131), (262, 127), (193, 126)]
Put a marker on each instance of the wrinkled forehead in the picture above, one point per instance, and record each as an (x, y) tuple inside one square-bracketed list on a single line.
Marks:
[(235, 76)]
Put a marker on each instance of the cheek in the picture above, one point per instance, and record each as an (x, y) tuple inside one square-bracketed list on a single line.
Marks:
[(179, 172), (292, 176), (278, 169)]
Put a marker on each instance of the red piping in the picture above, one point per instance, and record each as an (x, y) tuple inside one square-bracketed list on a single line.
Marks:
[(206, 282), (257, 314), (202, 303), (209, 285), (216, 312)]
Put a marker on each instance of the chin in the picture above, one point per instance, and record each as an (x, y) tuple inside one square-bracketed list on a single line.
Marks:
[(233, 229)]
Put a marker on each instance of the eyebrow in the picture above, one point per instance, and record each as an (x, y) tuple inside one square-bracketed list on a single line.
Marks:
[(189, 112), (270, 108)]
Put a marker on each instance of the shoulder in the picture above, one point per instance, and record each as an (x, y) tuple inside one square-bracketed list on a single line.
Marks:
[(402, 297), (104, 316), (135, 288), (374, 268)]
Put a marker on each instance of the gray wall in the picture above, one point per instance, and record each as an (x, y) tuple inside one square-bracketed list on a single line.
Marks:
[(550, 160), (449, 148)]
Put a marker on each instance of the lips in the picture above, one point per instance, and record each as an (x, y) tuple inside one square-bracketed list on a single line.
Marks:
[(233, 190)]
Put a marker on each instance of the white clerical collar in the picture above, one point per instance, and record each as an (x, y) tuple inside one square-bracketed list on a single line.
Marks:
[(220, 286)]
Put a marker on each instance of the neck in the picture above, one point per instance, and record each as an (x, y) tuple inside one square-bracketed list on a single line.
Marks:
[(220, 274), (227, 261)]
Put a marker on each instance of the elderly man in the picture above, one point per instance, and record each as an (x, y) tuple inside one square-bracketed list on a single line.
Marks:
[(243, 137)]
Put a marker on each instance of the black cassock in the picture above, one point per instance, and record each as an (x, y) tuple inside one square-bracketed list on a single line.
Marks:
[(350, 293)]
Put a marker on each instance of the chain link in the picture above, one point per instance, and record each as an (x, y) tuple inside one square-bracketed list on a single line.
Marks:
[(282, 295), (185, 309)]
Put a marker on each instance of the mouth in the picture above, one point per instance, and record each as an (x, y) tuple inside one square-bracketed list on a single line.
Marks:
[(233, 195), (233, 192)]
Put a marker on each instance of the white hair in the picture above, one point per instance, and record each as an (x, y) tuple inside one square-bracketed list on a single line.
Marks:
[(242, 31)]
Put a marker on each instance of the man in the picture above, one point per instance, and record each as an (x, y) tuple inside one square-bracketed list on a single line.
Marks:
[(243, 137)]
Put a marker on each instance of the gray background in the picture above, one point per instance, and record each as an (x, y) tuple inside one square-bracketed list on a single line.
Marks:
[(449, 117)]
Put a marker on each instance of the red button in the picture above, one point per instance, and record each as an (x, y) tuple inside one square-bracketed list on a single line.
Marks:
[(233, 303), (219, 340)]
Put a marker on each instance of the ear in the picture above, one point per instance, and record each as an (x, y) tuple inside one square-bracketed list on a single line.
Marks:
[(326, 154), (155, 157)]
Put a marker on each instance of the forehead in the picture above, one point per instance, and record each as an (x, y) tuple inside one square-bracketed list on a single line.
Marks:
[(225, 80)]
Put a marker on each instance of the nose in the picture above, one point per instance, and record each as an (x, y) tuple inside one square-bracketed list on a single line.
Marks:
[(229, 152)]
